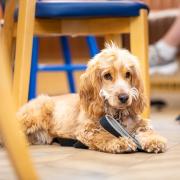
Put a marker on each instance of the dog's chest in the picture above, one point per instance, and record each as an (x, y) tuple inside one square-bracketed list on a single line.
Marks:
[(129, 124)]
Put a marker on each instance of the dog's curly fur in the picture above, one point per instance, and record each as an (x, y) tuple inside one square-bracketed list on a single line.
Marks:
[(111, 73)]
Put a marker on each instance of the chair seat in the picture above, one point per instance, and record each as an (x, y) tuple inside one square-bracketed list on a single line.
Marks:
[(88, 9), (54, 9)]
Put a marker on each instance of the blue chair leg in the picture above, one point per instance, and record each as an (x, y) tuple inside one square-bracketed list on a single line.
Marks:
[(34, 69), (67, 60), (92, 44)]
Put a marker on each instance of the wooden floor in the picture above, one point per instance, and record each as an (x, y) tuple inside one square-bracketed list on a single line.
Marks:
[(55, 162)]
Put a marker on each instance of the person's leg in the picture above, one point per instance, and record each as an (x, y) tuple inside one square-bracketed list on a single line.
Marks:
[(172, 37), (162, 54)]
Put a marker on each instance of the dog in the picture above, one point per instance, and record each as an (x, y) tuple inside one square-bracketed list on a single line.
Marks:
[(111, 85)]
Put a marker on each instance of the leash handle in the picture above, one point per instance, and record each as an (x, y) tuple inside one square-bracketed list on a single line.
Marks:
[(115, 128)]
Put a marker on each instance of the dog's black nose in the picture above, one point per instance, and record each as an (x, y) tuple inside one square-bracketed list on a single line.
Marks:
[(123, 98)]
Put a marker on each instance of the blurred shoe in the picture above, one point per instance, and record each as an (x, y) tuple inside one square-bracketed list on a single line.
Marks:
[(160, 65), (178, 118)]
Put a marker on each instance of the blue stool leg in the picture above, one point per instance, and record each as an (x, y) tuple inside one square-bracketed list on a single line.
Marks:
[(67, 60), (34, 69), (92, 44)]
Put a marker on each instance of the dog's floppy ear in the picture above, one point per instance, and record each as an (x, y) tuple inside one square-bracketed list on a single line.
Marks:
[(90, 85), (139, 104)]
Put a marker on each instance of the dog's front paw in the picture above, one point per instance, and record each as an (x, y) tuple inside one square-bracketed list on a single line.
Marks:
[(154, 144), (122, 144)]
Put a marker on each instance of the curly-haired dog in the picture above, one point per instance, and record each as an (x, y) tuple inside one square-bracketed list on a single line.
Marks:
[(111, 85)]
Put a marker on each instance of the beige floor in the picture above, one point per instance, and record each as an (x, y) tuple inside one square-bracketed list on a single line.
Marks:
[(55, 162)]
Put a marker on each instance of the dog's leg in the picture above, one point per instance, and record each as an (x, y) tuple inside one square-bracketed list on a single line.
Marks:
[(35, 118), (97, 138), (149, 139)]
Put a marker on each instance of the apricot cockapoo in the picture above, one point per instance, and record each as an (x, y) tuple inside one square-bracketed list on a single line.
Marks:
[(111, 85)]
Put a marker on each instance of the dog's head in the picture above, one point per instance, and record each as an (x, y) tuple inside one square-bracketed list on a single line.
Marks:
[(113, 76)]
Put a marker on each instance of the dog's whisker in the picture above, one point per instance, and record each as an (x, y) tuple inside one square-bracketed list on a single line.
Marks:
[(134, 93)]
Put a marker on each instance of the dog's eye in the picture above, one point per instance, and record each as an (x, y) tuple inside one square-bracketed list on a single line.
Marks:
[(128, 75), (108, 76)]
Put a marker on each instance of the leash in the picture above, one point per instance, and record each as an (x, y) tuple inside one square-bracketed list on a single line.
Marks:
[(111, 125), (114, 127)]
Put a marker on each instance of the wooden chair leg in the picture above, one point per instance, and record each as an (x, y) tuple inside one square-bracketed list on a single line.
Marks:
[(10, 131), (8, 31), (23, 54), (116, 38), (139, 47)]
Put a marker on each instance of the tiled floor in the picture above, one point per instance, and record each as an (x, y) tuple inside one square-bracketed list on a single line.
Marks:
[(55, 162)]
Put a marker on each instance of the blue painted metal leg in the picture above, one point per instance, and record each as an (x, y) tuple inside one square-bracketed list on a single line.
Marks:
[(92, 44), (34, 69), (67, 60)]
